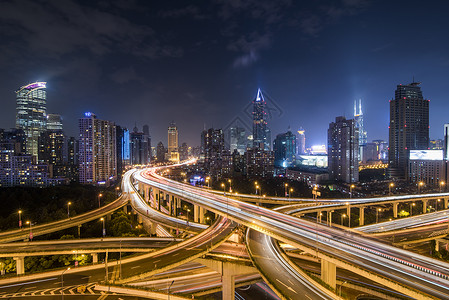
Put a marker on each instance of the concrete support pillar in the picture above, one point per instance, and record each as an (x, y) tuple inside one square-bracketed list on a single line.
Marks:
[(20, 264), (125, 209), (329, 218), (147, 193), (228, 280), (139, 218), (329, 273), (196, 213), (424, 206), (202, 212), (437, 245), (445, 202), (395, 210), (95, 258), (361, 216), (319, 215), (170, 197)]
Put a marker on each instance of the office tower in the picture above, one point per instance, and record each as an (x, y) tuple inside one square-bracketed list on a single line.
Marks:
[(427, 166), (261, 132), (31, 114), (139, 147), (160, 152), (237, 140), (54, 122), (146, 131), (370, 152), (173, 153), (16, 138), (284, 147), (358, 117), (301, 141), (97, 150), (72, 151), (409, 126), (446, 142), (123, 149), (343, 150)]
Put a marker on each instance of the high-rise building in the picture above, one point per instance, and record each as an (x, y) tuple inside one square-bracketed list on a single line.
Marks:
[(301, 141), (146, 131), (173, 153), (259, 163), (31, 114), (97, 150), (217, 159), (160, 152), (139, 147), (446, 142), (237, 139), (184, 151), (54, 122), (382, 150), (343, 150), (409, 126), (358, 117), (284, 147), (51, 147), (261, 132)]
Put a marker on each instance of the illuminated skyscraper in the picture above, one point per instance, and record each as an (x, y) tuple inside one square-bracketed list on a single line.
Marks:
[(261, 132), (32, 113), (54, 122), (358, 118), (343, 150), (173, 153), (237, 139), (409, 126), (97, 150), (284, 147), (301, 141)]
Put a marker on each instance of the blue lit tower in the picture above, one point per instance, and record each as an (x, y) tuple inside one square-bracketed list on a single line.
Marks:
[(31, 114), (358, 118), (284, 147), (261, 132)]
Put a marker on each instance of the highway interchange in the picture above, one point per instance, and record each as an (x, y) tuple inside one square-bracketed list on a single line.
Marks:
[(346, 248)]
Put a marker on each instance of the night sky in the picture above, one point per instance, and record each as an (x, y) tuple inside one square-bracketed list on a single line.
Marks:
[(200, 63)]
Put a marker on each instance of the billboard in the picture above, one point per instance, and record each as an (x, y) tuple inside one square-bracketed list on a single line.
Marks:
[(426, 154)]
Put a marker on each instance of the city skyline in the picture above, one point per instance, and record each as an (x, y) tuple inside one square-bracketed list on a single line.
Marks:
[(313, 60)]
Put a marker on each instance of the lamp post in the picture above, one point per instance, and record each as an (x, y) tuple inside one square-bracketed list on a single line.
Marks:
[(117, 190), (442, 183), (31, 233), (168, 292), (208, 181), (104, 229), (342, 217), (349, 214), (62, 282), (20, 219), (224, 189), (377, 214), (419, 186), (290, 194), (230, 185), (351, 187), (286, 189), (99, 197), (436, 204), (188, 210), (411, 208), (389, 188), (68, 209)]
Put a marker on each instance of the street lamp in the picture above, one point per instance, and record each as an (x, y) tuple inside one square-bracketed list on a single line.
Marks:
[(208, 181), (442, 183), (377, 214), (188, 210), (230, 185), (389, 188), (20, 219), (258, 188), (290, 194), (224, 188), (104, 229), (349, 213), (31, 233), (62, 282), (68, 209), (168, 292), (411, 208), (436, 204), (286, 189), (420, 184), (351, 187), (99, 197), (342, 217), (117, 189)]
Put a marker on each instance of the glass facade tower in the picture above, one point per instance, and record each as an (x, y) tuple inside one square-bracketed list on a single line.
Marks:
[(31, 114)]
